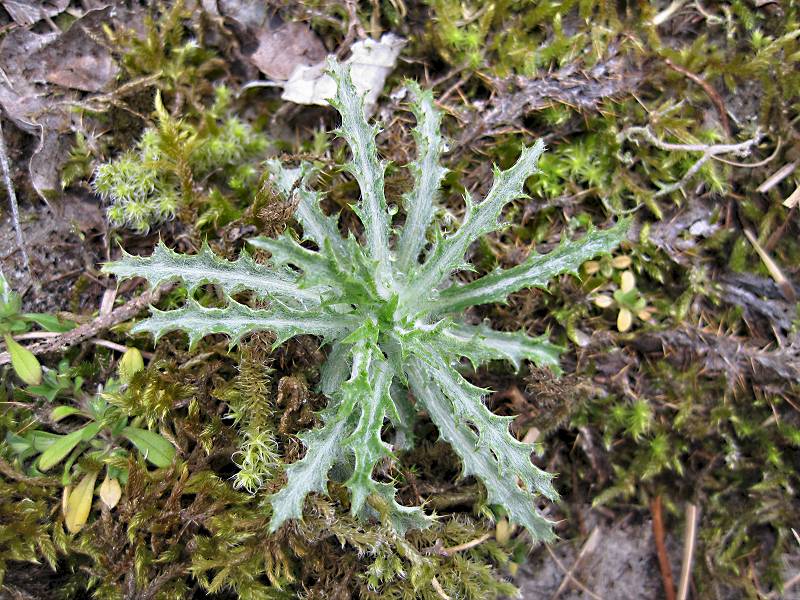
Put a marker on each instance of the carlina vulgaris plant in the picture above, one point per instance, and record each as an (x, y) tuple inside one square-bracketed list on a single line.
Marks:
[(392, 316)]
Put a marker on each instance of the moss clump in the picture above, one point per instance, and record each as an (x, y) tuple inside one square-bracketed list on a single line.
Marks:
[(149, 185)]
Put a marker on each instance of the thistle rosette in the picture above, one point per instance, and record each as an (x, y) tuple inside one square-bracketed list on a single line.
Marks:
[(391, 313)]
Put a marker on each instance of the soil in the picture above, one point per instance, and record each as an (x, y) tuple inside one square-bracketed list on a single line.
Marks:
[(64, 241)]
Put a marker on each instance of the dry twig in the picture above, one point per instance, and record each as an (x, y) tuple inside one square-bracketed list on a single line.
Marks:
[(689, 538), (581, 88), (722, 354), (570, 577), (774, 270), (90, 330), (465, 546), (589, 546), (778, 176), (708, 151), (709, 90), (12, 199), (439, 589), (661, 549)]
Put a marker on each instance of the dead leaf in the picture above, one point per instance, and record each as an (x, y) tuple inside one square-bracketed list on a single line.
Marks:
[(283, 48), (624, 320), (77, 59), (279, 46), (249, 13), (371, 62), (28, 12), (110, 492), (37, 69), (793, 199)]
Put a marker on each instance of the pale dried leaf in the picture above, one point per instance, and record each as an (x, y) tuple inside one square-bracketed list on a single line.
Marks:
[(110, 492), (370, 63), (27, 12)]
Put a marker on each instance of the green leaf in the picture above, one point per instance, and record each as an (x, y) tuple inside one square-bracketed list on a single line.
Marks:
[(405, 418), (130, 364), (310, 473), (376, 403), (236, 320), (317, 226), (365, 442), (153, 446), (481, 343), (335, 371), (59, 449), (50, 322), (477, 460), (512, 456), (25, 364), (42, 440), (536, 271), (6, 293), (287, 252), (61, 412), (420, 202), (206, 267), (18, 444), (366, 168), (390, 321), (480, 219)]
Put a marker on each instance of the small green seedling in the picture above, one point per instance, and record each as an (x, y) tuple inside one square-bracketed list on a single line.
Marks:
[(628, 300), (101, 439), (14, 321)]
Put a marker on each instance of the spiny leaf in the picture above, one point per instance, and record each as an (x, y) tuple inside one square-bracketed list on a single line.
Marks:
[(420, 202), (285, 251), (512, 456), (237, 320), (336, 369), (481, 343), (366, 168), (477, 460), (389, 323), (206, 267), (480, 219), (536, 271), (309, 474), (365, 442), (317, 226)]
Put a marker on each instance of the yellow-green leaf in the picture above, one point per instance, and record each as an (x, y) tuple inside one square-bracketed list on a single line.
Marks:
[(62, 412), (79, 503), (110, 491), (154, 447), (25, 364), (624, 320), (56, 452), (130, 364)]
